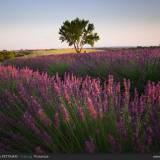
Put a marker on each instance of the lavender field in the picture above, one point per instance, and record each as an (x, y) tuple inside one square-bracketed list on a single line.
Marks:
[(104, 102), (137, 64)]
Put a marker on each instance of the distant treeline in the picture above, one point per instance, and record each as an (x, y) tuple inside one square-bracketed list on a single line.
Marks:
[(12, 54)]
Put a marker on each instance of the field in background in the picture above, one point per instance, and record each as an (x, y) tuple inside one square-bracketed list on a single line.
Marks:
[(137, 64), (4, 55), (57, 51), (10, 54)]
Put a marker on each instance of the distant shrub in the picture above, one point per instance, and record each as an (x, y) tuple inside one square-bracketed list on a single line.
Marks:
[(23, 53), (1, 57), (7, 55), (12, 54)]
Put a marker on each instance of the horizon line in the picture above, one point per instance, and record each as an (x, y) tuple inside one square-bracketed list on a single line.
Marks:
[(119, 46)]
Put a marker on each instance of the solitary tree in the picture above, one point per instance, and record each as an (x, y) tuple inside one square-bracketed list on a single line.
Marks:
[(78, 33)]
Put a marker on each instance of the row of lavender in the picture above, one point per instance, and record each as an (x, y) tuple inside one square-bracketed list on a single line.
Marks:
[(138, 65), (42, 114), (88, 60)]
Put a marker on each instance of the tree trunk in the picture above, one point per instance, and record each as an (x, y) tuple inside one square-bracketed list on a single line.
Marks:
[(77, 48)]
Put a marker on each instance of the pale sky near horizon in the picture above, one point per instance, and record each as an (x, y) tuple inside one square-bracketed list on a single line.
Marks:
[(33, 24)]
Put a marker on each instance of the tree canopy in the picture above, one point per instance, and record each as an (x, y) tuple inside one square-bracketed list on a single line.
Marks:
[(78, 32)]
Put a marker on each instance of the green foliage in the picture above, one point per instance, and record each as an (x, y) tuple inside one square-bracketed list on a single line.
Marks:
[(1, 57), (59, 68), (12, 54), (7, 55), (78, 33), (23, 53), (152, 70)]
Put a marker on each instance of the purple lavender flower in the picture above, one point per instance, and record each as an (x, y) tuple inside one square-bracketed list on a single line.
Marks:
[(114, 144), (90, 146)]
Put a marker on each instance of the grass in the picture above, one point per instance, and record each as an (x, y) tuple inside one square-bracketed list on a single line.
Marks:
[(43, 52)]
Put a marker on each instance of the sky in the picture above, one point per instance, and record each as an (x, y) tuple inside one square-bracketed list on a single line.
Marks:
[(34, 24)]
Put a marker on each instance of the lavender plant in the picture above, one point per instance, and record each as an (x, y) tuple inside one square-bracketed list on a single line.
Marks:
[(43, 114)]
